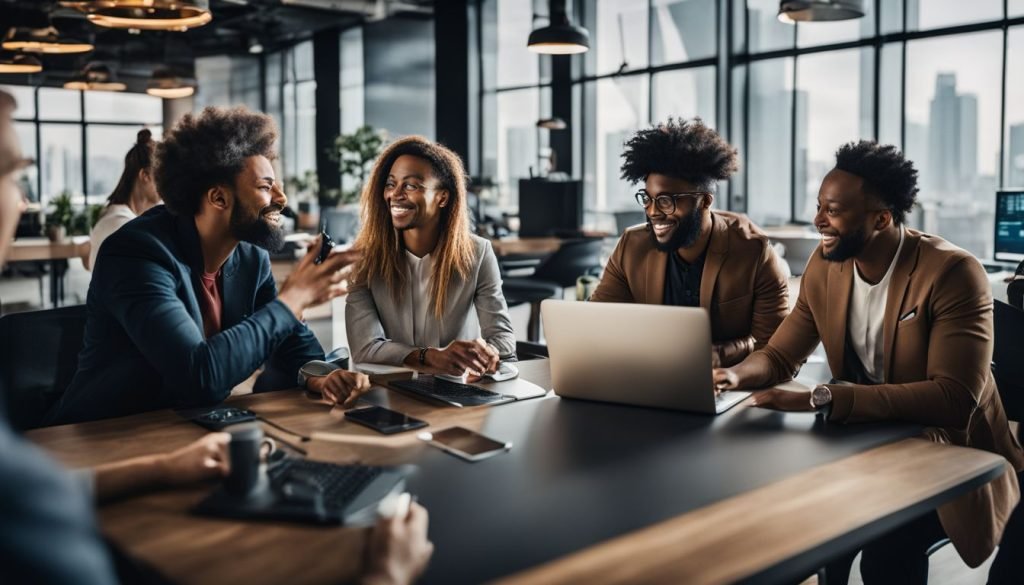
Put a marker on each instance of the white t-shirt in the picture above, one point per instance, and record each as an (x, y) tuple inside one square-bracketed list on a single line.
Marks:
[(422, 310), (867, 311), (114, 217)]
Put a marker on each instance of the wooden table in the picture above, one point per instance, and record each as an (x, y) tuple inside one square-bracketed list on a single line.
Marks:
[(28, 249), (547, 488), (526, 246)]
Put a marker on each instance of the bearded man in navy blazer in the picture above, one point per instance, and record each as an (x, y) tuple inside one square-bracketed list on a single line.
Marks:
[(182, 306)]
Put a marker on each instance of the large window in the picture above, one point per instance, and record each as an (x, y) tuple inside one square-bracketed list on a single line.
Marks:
[(940, 79), (515, 96), (952, 130), (290, 98), (83, 156), (649, 61)]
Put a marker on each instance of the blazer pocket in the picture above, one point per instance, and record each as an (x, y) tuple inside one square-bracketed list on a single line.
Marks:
[(909, 321)]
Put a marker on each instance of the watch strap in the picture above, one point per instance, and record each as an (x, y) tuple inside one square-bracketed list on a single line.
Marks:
[(314, 368)]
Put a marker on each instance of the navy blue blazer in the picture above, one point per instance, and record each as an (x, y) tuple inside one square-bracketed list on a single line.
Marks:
[(144, 346)]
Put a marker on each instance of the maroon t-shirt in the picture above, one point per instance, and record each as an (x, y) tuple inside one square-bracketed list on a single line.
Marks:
[(209, 302)]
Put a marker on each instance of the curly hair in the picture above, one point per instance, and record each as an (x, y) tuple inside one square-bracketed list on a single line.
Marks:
[(887, 174), (210, 149), (683, 149)]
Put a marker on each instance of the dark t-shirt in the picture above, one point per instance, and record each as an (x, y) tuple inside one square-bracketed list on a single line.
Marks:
[(682, 281)]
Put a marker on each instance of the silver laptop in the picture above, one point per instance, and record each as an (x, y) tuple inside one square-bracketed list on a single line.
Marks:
[(643, 355)]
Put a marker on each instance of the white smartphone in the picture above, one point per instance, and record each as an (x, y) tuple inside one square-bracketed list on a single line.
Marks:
[(465, 444)]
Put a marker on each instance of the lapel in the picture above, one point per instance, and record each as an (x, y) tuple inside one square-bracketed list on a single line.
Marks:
[(718, 246), (837, 305), (232, 291), (898, 286), (192, 254)]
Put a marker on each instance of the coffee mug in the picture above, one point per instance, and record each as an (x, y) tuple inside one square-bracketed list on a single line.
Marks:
[(248, 451)]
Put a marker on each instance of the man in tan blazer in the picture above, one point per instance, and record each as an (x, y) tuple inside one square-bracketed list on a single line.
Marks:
[(688, 255), (906, 321)]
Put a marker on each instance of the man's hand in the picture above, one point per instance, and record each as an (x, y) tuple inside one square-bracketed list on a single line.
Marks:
[(725, 379), (476, 356), (205, 458), (340, 386), (776, 399), (313, 284), (398, 549)]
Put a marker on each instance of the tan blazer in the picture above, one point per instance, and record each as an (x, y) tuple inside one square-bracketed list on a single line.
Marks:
[(937, 339), (742, 286)]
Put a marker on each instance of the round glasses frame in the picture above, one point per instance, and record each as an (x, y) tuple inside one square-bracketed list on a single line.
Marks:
[(666, 202)]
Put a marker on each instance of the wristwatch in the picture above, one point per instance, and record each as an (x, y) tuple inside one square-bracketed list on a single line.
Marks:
[(821, 397), (314, 368)]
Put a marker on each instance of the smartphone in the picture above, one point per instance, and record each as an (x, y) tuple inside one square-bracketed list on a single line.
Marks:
[(383, 420), (326, 245), (465, 444)]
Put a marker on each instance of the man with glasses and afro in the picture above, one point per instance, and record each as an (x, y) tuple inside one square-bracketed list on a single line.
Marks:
[(688, 255)]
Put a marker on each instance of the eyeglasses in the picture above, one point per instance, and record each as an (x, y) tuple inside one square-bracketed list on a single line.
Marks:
[(666, 202)]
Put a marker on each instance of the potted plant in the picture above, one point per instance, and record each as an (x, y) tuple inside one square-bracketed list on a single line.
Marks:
[(304, 191), (355, 154), (60, 221)]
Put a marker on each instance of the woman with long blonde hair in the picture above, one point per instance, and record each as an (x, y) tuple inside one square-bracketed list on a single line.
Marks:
[(422, 272)]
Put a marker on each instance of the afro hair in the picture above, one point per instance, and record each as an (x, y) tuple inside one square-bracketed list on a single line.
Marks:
[(209, 149), (682, 149), (886, 173)]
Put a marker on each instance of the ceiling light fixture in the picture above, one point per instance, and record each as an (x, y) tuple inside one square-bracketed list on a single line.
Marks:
[(793, 11), (173, 15), (552, 123), (560, 37), (255, 47), (166, 84), (19, 63), (95, 77), (43, 40)]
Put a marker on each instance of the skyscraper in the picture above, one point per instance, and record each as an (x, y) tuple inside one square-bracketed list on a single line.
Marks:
[(1015, 172), (952, 138)]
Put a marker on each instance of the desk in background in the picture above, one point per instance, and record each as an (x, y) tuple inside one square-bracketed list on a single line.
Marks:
[(57, 253), (590, 492)]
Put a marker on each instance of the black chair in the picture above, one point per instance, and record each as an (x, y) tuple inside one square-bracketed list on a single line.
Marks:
[(558, 271), (1008, 358), (529, 350), (38, 358), (341, 224)]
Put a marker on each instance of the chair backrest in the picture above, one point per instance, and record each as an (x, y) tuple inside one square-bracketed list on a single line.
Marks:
[(38, 358), (1008, 357), (572, 260), (341, 224), (627, 219)]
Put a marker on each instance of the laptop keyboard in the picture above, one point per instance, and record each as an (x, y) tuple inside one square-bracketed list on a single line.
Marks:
[(338, 484), (453, 391)]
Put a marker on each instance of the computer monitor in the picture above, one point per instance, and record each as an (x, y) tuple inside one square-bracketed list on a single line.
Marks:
[(550, 208), (1009, 238)]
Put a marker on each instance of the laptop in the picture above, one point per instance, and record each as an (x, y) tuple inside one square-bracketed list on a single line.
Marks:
[(642, 355)]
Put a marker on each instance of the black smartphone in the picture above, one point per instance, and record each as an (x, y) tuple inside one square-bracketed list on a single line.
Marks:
[(383, 420), (326, 245)]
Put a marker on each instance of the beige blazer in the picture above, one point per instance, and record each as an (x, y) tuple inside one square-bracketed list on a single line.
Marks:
[(380, 327), (937, 339), (742, 286)]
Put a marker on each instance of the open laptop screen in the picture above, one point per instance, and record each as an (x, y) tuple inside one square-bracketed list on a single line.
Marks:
[(1009, 240)]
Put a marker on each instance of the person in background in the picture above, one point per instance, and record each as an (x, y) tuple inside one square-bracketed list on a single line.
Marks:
[(906, 321), (426, 293), (134, 194), (48, 532), (689, 255)]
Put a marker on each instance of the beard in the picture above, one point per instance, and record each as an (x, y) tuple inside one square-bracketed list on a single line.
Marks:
[(256, 230), (686, 233), (847, 247)]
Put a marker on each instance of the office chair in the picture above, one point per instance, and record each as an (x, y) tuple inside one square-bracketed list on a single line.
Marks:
[(38, 358), (553, 275), (341, 224)]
